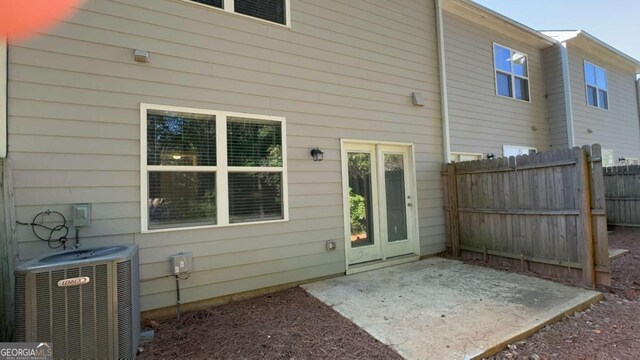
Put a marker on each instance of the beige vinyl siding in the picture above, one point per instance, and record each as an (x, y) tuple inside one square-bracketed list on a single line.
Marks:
[(345, 69), (617, 128), (481, 121), (556, 111)]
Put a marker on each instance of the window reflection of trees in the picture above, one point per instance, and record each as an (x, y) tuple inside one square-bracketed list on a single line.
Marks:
[(360, 200)]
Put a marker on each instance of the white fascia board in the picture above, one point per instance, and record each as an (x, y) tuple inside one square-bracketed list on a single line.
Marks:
[(482, 9), (567, 35)]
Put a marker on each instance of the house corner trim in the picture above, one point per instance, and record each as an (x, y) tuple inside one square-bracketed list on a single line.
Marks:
[(4, 70)]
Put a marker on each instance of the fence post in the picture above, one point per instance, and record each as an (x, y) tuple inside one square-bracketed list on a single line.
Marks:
[(455, 229), (584, 226), (599, 218), (451, 208), (446, 203), (7, 254)]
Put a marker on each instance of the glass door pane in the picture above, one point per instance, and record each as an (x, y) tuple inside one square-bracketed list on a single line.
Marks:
[(395, 197), (360, 199)]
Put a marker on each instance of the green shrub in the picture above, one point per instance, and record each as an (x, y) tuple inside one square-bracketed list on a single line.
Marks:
[(358, 211)]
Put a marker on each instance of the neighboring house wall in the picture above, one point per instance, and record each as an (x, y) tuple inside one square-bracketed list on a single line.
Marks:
[(344, 70), (481, 121), (616, 129), (556, 109), (638, 97)]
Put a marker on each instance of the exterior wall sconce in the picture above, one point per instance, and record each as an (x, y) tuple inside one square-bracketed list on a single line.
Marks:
[(491, 156), (417, 99), (317, 154), (622, 159), (141, 56), (589, 131)]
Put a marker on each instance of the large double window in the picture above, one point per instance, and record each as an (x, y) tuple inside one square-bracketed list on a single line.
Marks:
[(512, 73), (596, 82), (206, 168), (270, 10)]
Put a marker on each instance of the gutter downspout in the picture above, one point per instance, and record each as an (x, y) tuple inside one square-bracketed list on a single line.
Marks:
[(568, 105), (444, 97)]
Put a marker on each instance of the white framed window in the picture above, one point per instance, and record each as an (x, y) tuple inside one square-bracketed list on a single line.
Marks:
[(595, 79), (3, 98), (461, 156), (273, 11), (512, 73), (631, 161), (510, 150), (203, 168), (607, 158)]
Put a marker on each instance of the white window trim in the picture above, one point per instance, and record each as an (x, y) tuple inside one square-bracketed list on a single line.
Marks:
[(3, 98), (229, 7), (586, 86), (513, 76), (504, 147), (479, 155), (221, 169)]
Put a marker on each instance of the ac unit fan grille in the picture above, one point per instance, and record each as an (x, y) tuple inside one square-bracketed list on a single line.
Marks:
[(74, 318), (20, 334), (125, 309)]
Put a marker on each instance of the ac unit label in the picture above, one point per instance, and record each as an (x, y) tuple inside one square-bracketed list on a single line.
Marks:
[(74, 281)]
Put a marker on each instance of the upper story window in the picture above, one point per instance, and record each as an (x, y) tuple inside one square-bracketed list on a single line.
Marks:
[(203, 168), (512, 73), (269, 10), (596, 82), (508, 150), (460, 157)]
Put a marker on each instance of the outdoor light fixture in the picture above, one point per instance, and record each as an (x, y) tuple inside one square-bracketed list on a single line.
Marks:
[(141, 56), (491, 156), (417, 99), (317, 154), (622, 159)]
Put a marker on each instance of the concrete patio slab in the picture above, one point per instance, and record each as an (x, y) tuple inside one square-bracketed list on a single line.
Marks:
[(444, 309)]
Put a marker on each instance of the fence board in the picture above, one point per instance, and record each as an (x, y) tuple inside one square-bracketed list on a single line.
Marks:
[(543, 210), (599, 216), (585, 229), (622, 195)]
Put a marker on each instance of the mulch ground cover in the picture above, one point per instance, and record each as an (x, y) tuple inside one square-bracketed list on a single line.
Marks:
[(293, 325), (608, 330), (285, 325)]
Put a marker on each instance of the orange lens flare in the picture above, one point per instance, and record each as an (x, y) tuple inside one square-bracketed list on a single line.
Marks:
[(21, 18)]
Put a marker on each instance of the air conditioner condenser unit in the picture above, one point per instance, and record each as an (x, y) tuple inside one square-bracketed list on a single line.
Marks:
[(85, 302)]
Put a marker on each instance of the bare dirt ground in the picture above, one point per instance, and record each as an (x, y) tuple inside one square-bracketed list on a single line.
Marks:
[(285, 325), (608, 330)]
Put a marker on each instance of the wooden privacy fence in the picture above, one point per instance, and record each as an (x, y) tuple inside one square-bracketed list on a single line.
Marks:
[(622, 193), (545, 212)]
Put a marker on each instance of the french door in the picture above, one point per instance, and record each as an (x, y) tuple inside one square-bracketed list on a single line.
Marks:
[(380, 210)]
